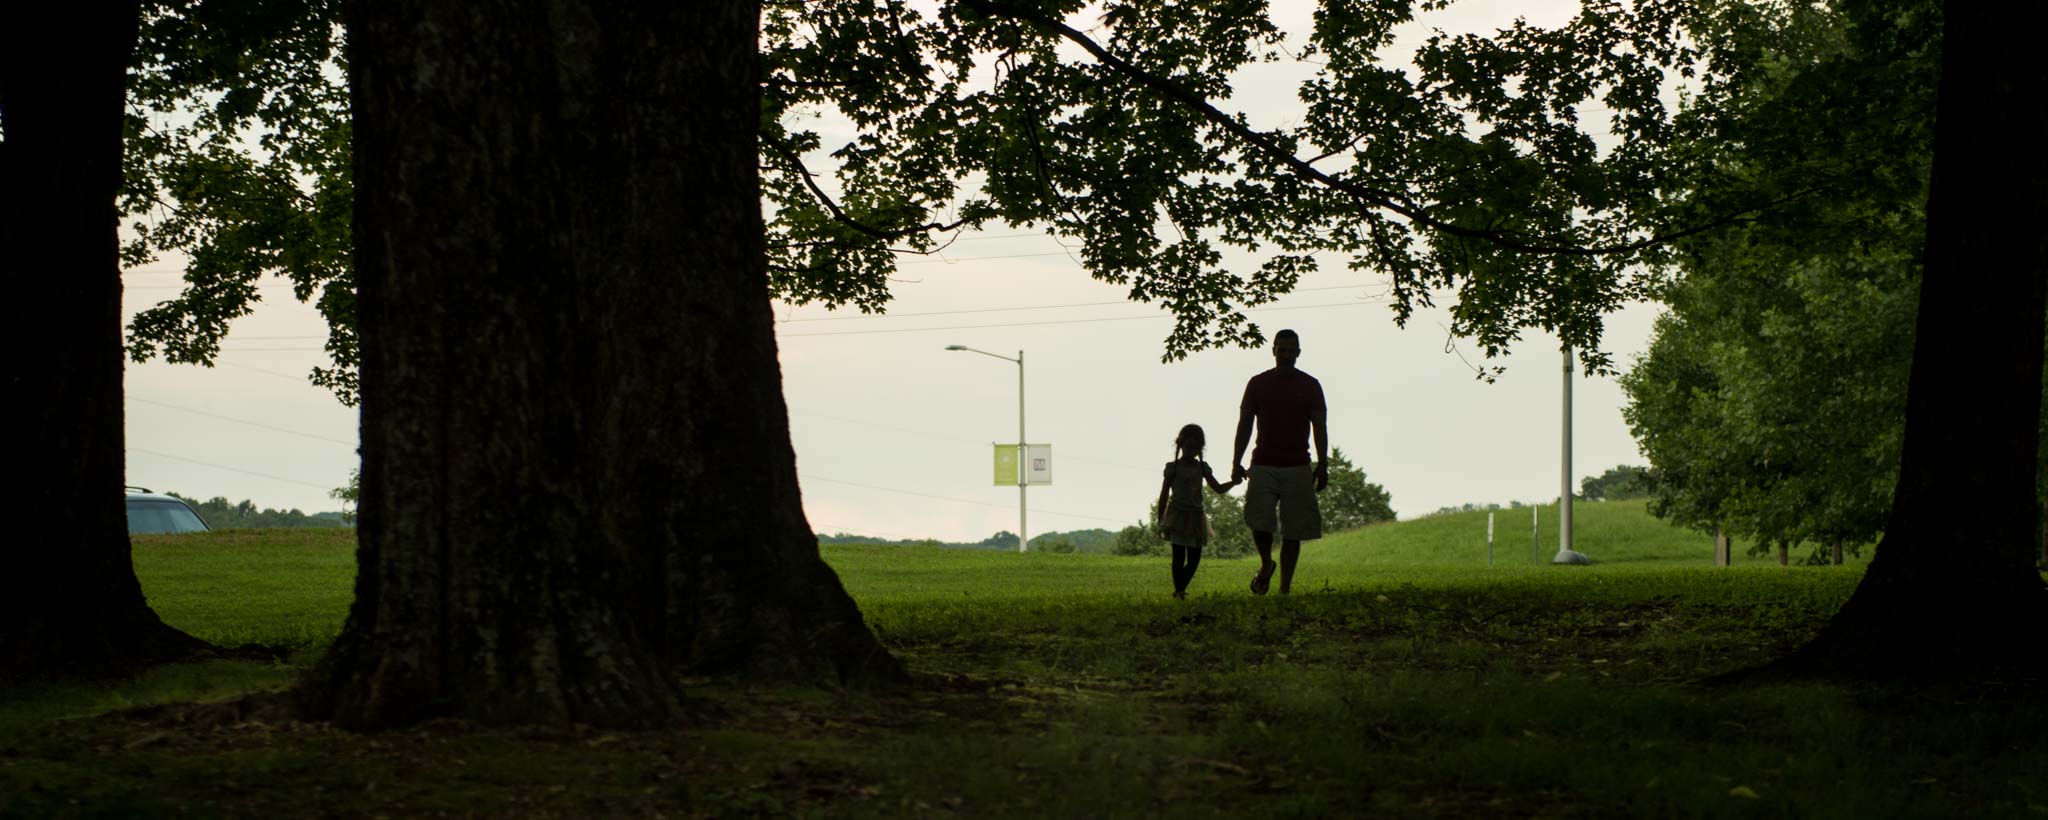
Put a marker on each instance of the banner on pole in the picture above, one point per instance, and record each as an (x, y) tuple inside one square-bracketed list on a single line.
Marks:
[(1037, 464), (1006, 465), (1033, 469)]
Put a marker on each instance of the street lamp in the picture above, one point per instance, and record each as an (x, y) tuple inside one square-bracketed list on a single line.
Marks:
[(1022, 535)]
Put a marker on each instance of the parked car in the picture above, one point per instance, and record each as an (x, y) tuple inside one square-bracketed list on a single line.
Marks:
[(150, 513)]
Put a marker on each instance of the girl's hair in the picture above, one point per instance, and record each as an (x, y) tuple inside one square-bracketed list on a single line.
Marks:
[(1190, 441)]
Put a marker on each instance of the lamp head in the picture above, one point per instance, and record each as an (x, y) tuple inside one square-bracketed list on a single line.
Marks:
[(956, 347)]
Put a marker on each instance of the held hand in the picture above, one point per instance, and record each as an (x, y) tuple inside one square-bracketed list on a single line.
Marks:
[(1237, 473), (1322, 476)]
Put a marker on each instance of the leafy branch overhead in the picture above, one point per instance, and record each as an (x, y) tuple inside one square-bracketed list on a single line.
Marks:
[(887, 128)]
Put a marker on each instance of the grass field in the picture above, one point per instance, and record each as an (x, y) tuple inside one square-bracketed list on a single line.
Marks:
[(1405, 678)]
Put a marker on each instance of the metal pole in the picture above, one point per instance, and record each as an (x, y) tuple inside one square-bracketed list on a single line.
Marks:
[(1489, 539), (1564, 477), (1023, 466), (1565, 555), (1535, 533)]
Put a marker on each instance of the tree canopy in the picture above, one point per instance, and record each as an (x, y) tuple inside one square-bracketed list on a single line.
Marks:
[(1533, 173), (1771, 402)]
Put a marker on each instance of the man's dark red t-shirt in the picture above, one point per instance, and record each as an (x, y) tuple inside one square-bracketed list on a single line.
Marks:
[(1283, 399)]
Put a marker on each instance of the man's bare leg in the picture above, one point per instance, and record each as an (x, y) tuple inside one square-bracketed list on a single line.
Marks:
[(1264, 541), (1290, 551)]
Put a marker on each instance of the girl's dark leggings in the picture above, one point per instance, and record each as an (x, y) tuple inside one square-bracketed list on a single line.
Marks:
[(1185, 559)]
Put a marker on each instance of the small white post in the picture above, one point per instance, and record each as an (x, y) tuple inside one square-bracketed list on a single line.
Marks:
[(1535, 535), (1489, 539)]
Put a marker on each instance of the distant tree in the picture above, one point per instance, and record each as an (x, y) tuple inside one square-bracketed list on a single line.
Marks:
[(1088, 540), (1619, 483), (1141, 538), (1350, 501), (1003, 539), (349, 495)]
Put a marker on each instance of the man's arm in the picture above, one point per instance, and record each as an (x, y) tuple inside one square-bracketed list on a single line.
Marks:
[(1244, 438), (1319, 422)]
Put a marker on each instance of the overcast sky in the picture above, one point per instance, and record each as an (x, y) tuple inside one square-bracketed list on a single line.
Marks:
[(893, 433)]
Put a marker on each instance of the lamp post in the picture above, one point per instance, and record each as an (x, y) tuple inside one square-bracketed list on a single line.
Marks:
[(1023, 537)]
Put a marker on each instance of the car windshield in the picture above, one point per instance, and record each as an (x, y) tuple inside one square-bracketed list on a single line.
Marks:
[(149, 517)]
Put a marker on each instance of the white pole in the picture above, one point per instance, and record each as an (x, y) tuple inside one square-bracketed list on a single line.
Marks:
[(1535, 534), (1023, 467), (1489, 539), (1564, 477), (1565, 555)]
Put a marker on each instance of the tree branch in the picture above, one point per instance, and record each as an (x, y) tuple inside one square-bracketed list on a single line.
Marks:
[(796, 165), (1379, 198)]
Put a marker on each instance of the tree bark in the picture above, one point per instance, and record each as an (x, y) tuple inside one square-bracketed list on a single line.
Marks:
[(70, 604), (1945, 591), (1784, 554), (577, 475), (1835, 550)]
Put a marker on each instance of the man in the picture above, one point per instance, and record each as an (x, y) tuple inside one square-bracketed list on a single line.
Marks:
[(1286, 405)]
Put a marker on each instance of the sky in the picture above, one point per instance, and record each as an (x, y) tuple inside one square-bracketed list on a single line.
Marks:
[(893, 432)]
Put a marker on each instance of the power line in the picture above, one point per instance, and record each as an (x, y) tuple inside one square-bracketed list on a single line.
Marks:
[(1004, 309), (956, 500), (301, 379), (230, 469), (1058, 321), (241, 421), (974, 442), (958, 259), (1155, 316)]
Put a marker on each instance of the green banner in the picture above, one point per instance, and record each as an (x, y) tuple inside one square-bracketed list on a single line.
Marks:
[(1006, 465)]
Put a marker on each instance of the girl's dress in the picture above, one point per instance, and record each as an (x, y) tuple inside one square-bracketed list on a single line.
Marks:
[(1185, 522)]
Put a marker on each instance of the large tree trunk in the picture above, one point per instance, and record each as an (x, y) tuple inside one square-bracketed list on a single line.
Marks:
[(577, 475), (69, 601), (1953, 578)]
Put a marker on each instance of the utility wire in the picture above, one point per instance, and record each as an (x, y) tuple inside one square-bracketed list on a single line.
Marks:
[(230, 469), (872, 316), (974, 442), (301, 379), (957, 500), (1052, 321), (195, 412), (991, 310), (1155, 316), (958, 259)]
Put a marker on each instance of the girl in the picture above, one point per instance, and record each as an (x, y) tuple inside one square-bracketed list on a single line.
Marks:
[(1180, 516)]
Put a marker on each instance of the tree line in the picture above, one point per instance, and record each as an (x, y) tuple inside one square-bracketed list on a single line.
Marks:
[(1083, 540), (222, 514)]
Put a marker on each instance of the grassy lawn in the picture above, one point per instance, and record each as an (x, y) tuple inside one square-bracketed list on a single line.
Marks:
[(1405, 678)]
